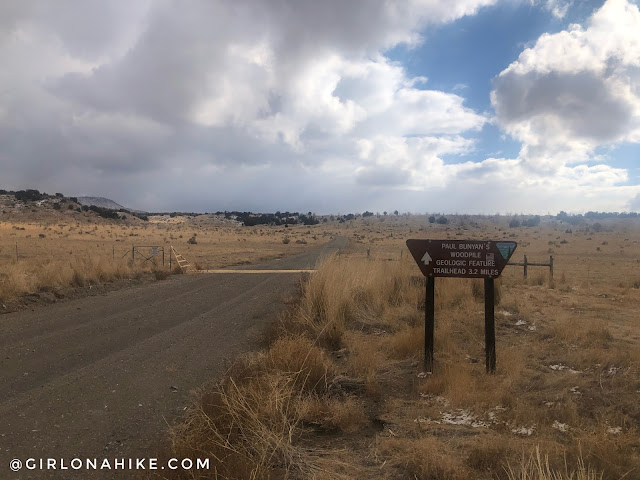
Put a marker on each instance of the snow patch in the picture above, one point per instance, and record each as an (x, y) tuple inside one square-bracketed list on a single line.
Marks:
[(523, 431), (463, 417), (563, 427), (559, 367)]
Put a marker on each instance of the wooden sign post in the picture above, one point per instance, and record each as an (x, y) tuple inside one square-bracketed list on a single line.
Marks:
[(461, 259)]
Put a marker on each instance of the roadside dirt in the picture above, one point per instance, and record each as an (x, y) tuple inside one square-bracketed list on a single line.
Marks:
[(62, 294), (103, 376)]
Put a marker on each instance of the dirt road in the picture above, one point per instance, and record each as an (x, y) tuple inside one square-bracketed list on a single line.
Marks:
[(100, 377)]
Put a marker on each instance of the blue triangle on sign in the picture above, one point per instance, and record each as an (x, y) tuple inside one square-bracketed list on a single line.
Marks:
[(506, 249)]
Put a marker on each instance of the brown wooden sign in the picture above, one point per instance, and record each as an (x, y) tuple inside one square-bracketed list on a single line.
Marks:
[(461, 258)]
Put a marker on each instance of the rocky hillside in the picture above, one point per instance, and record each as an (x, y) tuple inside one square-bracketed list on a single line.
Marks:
[(100, 202)]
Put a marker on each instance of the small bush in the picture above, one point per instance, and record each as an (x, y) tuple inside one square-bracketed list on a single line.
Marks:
[(161, 274), (297, 356)]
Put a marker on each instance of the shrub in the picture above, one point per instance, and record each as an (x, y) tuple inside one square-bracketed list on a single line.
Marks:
[(161, 274), (28, 195)]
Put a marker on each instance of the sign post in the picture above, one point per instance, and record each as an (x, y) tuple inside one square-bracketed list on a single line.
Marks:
[(461, 259), (489, 325), (429, 324)]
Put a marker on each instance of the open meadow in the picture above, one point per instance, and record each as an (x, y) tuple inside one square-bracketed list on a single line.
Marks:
[(44, 252), (340, 391)]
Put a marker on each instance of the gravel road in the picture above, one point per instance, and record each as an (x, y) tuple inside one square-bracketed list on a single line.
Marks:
[(101, 377)]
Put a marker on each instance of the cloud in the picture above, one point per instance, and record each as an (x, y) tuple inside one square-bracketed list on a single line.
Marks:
[(569, 94), (558, 8), (382, 176), (296, 106), (221, 88), (575, 90)]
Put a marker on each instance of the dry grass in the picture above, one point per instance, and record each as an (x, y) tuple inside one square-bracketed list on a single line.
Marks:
[(78, 249), (340, 393), (537, 467), (342, 378), (424, 458), (50, 274), (307, 364), (250, 422)]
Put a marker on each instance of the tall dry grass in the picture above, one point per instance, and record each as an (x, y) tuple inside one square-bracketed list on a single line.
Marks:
[(51, 274), (537, 467), (250, 422), (359, 321)]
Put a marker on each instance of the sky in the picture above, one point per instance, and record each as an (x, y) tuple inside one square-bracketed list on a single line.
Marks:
[(333, 106)]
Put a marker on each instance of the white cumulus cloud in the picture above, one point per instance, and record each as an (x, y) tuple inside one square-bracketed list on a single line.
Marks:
[(575, 90), (570, 93)]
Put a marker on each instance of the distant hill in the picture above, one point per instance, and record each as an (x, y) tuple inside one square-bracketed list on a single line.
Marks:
[(100, 202)]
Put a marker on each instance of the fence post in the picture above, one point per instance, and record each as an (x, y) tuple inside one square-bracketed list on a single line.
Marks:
[(525, 266), (170, 255), (133, 254), (551, 265), (16, 252)]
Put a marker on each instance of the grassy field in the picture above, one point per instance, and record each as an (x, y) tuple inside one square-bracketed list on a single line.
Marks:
[(340, 392), (46, 250)]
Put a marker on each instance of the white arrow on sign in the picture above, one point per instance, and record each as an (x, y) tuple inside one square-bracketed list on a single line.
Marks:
[(426, 258)]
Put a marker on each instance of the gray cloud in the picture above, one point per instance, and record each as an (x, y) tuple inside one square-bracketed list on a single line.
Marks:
[(380, 176), (574, 90), (260, 105), (165, 72), (582, 101)]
